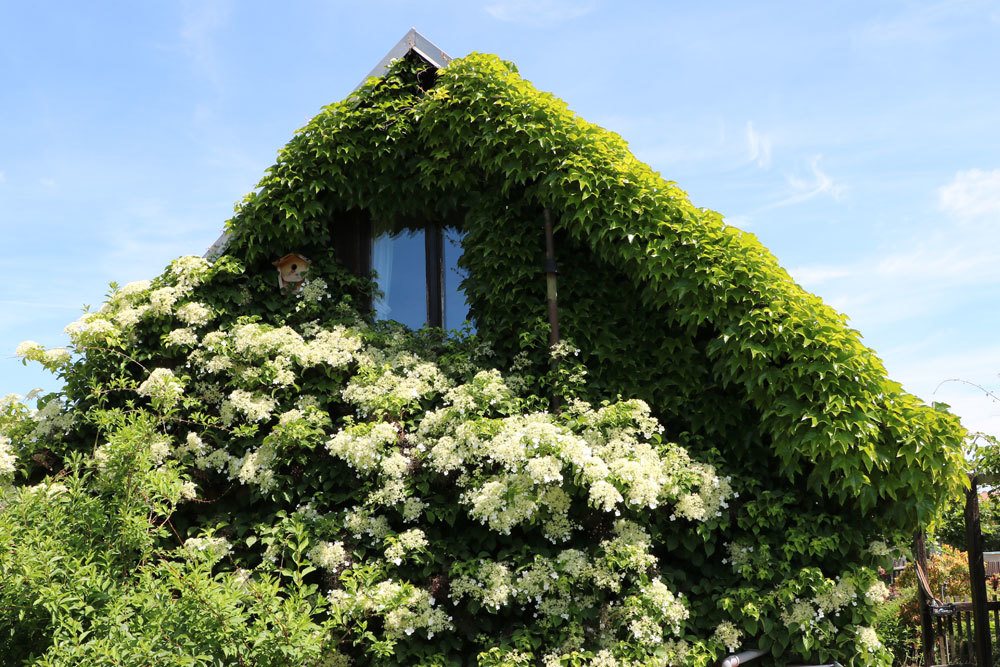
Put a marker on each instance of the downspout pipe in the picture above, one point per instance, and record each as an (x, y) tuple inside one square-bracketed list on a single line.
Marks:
[(551, 297), (743, 657), (551, 272)]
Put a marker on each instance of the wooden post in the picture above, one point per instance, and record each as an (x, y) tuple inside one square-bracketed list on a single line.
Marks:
[(977, 575), (926, 623)]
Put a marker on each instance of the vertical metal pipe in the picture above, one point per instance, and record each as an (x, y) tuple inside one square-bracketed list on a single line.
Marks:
[(977, 575), (551, 271), (552, 297)]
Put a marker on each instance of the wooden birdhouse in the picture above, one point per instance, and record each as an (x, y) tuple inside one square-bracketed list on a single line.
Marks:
[(292, 269)]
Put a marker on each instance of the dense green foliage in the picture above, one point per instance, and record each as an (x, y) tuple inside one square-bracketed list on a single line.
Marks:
[(304, 486), (950, 525)]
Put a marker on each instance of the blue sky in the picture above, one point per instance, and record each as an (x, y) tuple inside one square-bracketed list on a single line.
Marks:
[(860, 141)]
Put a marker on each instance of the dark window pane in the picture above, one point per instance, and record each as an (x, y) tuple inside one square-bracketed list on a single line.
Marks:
[(456, 308), (401, 275)]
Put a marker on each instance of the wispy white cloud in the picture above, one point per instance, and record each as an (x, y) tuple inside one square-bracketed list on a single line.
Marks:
[(958, 379), (925, 23), (922, 274), (540, 12), (972, 195), (758, 147), (200, 21), (3, 176), (817, 183)]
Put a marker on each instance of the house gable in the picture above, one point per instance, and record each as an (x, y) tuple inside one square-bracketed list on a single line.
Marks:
[(665, 300)]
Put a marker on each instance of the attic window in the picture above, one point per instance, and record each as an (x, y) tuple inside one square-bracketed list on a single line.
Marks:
[(417, 272)]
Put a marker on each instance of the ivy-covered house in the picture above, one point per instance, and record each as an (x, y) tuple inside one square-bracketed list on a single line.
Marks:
[(437, 177), (705, 457)]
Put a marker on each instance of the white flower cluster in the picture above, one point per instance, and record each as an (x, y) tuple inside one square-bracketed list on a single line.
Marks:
[(212, 548), (404, 608), (312, 292), (188, 490), (361, 522), (653, 611), (513, 468), (92, 330), (364, 446), (255, 467), (394, 385), (195, 314), (877, 593), (555, 587), (879, 549), (163, 388), (405, 545), (867, 640), (189, 271), (330, 556), (835, 596), (8, 460), (51, 420), (52, 359), (259, 355), (162, 300), (255, 407), (799, 615), (372, 449), (728, 635), (181, 338)]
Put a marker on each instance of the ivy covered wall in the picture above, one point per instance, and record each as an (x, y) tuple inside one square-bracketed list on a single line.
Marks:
[(666, 301), (727, 468)]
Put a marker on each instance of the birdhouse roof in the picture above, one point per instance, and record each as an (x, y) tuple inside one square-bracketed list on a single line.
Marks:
[(289, 257)]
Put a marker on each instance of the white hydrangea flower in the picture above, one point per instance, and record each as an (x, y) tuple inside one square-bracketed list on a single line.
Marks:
[(867, 640), (877, 593), (189, 271), (799, 615), (163, 388), (405, 544), (28, 349), (189, 491), (254, 407), (330, 556), (214, 548), (133, 289), (162, 300), (8, 460), (879, 549), (256, 467), (91, 329), (181, 338), (728, 635), (129, 316), (364, 445), (195, 314), (836, 595), (159, 450), (52, 359)]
